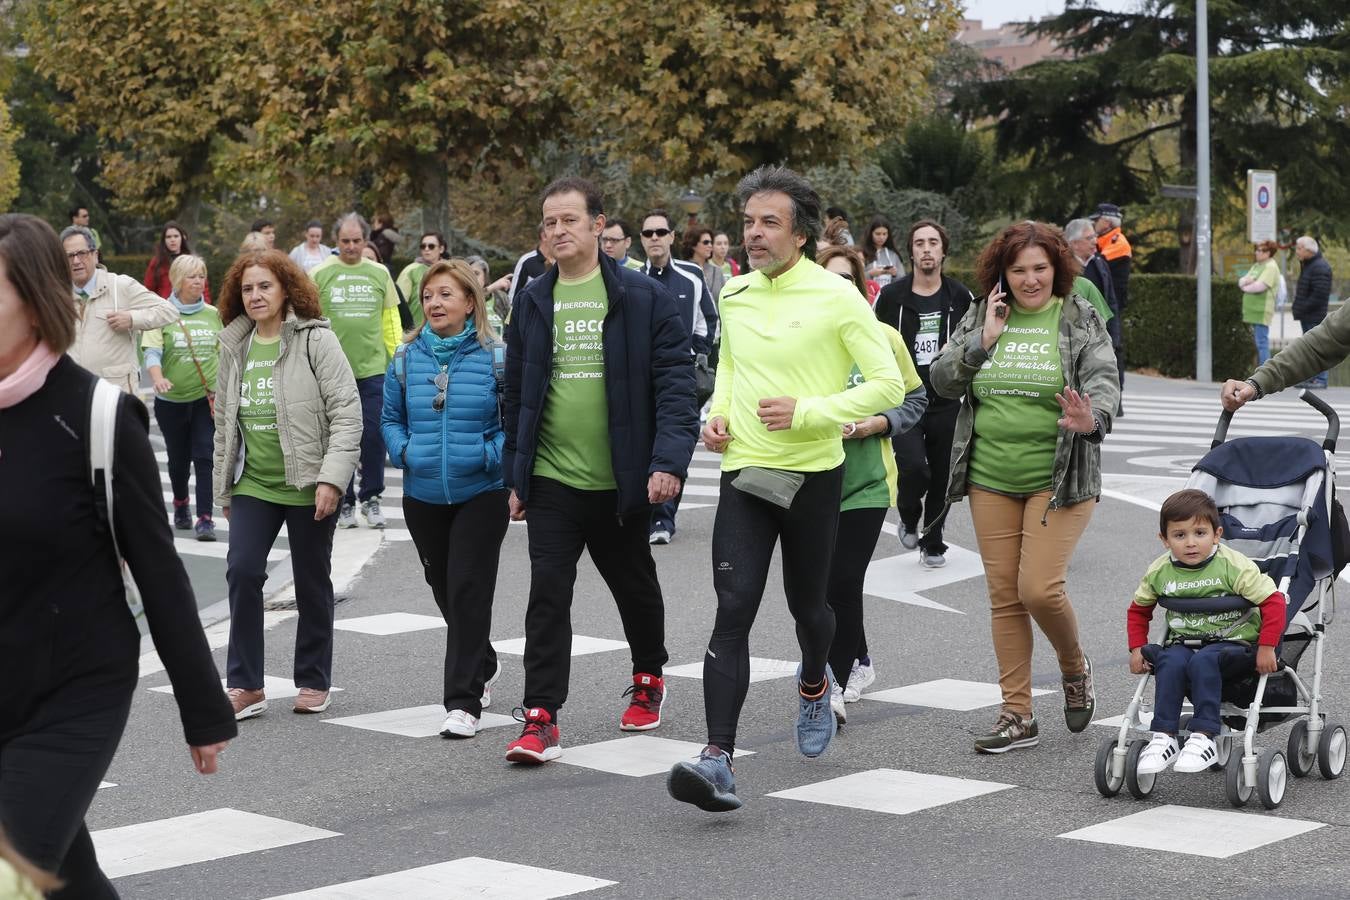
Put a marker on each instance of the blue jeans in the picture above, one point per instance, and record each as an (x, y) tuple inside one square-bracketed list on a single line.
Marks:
[(1179, 670), (372, 441), (1261, 333)]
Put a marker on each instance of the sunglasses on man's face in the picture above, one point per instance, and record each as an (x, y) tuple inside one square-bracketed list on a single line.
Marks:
[(655, 232)]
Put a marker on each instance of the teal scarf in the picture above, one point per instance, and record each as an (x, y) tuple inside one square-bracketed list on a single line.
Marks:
[(443, 348)]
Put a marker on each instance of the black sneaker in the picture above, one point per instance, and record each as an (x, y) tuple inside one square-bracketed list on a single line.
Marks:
[(182, 519), (1080, 700)]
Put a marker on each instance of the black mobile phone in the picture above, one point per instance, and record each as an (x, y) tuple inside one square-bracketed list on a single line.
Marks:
[(1002, 311)]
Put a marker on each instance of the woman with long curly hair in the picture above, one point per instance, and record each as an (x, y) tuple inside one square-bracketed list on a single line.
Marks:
[(288, 434), (1035, 366), (173, 243)]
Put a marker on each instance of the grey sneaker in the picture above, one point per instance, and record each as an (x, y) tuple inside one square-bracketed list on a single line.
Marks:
[(708, 782), (909, 538), (816, 724), (346, 516), (659, 536), (1010, 732), (932, 560), (371, 510), (1080, 700)]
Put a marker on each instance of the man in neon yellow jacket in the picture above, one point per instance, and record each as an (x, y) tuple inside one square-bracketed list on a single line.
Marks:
[(792, 333)]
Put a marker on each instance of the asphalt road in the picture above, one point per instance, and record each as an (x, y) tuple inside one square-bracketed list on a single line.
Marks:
[(900, 806)]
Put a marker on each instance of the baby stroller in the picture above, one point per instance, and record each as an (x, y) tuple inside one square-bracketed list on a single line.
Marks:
[(1277, 503)]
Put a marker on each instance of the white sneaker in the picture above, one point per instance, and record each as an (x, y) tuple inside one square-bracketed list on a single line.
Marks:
[(459, 724), (1160, 753), (371, 510), (860, 678), (346, 516), (837, 704), (1198, 754), (659, 536), (486, 700)]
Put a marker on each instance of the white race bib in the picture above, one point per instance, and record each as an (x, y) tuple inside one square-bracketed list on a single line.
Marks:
[(926, 341)]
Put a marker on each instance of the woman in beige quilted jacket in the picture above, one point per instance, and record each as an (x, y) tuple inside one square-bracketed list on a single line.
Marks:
[(288, 435)]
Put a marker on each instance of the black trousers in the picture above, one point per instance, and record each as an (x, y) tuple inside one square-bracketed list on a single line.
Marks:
[(1113, 330), (189, 436), (459, 545), (50, 772), (254, 526), (923, 456), (744, 534), (854, 544), (562, 522)]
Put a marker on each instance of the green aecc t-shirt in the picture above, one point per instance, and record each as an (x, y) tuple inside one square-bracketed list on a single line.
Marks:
[(192, 334), (354, 299), (1016, 414), (264, 465), (573, 442)]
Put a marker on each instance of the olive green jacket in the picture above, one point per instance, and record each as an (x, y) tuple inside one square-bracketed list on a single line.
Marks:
[(318, 407), (1089, 366), (1315, 352)]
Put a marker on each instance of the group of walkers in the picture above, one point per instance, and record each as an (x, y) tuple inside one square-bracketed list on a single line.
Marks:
[(581, 420)]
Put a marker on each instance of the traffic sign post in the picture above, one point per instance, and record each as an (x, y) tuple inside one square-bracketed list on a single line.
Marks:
[(1261, 217)]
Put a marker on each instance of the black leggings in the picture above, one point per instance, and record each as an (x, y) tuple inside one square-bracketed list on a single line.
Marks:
[(50, 773), (744, 534), (859, 530), (459, 545), (923, 456), (189, 434)]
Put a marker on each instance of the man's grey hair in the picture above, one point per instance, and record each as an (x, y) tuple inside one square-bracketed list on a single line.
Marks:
[(1307, 242), (1078, 229), (72, 230), (351, 217), (805, 200)]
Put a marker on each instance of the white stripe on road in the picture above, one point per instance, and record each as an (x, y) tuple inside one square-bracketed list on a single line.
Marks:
[(195, 838), (472, 876)]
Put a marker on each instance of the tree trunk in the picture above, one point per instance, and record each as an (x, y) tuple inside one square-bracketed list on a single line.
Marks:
[(433, 189)]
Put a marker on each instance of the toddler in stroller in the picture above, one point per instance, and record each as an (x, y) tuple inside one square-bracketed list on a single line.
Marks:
[(1275, 500), (1202, 639)]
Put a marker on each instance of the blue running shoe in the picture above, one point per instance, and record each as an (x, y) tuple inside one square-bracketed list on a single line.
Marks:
[(815, 720), (706, 782)]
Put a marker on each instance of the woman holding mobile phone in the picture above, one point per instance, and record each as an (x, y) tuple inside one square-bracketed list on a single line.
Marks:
[(1038, 374)]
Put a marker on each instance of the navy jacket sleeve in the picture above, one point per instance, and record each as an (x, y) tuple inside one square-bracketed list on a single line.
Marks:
[(515, 354), (146, 542), (672, 387)]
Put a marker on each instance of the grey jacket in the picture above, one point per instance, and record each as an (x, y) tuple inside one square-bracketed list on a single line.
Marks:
[(1089, 366), (318, 407)]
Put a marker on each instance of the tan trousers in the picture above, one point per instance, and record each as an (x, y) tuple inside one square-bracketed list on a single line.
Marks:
[(1024, 564)]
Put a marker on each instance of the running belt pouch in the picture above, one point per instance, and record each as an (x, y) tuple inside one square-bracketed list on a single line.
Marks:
[(777, 486)]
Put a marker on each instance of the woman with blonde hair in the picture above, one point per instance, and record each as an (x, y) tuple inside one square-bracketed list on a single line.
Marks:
[(181, 361), (442, 425), (288, 433)]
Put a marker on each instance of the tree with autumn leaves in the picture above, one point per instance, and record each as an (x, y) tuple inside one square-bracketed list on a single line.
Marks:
[(405, 95)]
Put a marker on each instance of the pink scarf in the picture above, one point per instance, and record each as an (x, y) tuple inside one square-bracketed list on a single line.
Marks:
[(29, 377)]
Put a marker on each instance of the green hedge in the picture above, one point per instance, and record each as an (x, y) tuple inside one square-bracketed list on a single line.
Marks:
[(1159, 326)]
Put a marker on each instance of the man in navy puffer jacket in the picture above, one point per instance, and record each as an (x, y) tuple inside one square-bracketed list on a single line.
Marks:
[(600, 421)]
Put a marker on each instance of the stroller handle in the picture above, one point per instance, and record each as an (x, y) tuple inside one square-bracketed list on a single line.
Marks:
[(1308, 397)]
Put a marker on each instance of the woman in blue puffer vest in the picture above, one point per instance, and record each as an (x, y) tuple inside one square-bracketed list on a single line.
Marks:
[(442, 426)]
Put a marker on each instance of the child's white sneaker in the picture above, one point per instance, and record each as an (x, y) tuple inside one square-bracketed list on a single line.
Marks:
[(1198, 754), (1160, 753)]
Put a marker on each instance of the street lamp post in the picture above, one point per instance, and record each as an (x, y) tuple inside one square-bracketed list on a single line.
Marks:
[(692, 204), (1203, 348)]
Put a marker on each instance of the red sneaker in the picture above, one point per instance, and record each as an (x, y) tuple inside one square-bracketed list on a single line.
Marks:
[(538, 741), (644, 711)]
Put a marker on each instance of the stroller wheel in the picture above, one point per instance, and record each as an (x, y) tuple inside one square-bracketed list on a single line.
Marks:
[(1140, 785), (1107, 785), (1237, 793), (1224, 745), (1272, 776), (1331, 751), (1302, 754)]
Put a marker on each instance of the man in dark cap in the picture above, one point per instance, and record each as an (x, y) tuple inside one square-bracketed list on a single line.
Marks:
[(1115, 249)]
